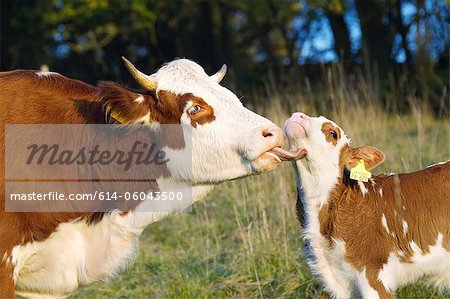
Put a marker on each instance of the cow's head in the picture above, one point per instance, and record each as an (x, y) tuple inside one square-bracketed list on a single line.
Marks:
[(225, 139)]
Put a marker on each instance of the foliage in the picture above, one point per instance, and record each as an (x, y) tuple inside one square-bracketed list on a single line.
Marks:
[(85, 38)]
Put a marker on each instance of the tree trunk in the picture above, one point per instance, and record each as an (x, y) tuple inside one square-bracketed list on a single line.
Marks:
[(377, 33), (341, 36)]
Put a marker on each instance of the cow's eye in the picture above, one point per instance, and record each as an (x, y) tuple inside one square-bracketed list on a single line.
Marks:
[(194, 109), (333, 134)]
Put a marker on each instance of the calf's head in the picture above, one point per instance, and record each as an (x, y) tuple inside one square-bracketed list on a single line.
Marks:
[(220, 138), (327, 146)]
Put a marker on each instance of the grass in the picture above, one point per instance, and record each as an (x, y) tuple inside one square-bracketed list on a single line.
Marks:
[(243, 240)]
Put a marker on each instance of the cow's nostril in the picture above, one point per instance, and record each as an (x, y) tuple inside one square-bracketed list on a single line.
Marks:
[(267, 134), (300, 115), (272, 136)]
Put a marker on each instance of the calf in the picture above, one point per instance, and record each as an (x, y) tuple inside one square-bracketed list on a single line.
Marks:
[(368, 237)]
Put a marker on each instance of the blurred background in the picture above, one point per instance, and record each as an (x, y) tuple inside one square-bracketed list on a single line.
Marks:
[(378, 68), (400, 47)]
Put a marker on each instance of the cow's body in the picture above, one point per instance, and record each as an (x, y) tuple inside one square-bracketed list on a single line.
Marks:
[(369, 237), (51, 254)]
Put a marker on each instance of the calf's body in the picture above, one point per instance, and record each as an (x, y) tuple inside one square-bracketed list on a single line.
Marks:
[(368, 238)]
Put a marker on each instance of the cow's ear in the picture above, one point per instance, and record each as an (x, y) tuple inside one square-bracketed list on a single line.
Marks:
[(372, 157), (122, 105)]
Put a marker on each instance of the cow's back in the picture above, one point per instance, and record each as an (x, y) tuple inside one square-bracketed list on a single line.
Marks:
[(29, 97)]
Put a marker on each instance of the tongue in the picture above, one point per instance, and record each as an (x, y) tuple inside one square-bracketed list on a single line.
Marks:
[(284, 155)]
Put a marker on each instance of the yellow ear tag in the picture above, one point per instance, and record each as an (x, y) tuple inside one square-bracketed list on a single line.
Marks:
[(360, 173)]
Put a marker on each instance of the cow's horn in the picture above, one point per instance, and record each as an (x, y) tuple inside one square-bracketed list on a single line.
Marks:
[(220, 74), (144, 80)]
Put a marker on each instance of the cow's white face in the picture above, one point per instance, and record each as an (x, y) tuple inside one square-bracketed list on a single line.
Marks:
[(222, 139), (227, 140)]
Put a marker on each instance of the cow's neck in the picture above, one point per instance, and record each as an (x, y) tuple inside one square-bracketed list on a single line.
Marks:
[(139, 219)]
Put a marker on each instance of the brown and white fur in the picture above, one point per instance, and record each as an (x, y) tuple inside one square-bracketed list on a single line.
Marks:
[(52, 254), (368, 239)]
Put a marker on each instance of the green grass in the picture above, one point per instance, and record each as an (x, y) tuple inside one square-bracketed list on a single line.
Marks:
[(243, 240)]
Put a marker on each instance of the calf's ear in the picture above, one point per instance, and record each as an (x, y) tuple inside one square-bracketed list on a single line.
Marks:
[(372, 157)]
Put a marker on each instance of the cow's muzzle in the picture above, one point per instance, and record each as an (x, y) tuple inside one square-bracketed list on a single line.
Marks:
[(276, 135)]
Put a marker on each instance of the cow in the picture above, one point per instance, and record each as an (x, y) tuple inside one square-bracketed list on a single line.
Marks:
[(367, 236), (50, 254)]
